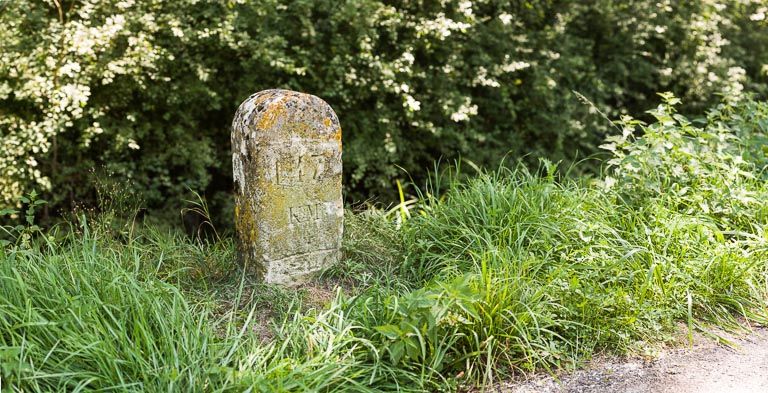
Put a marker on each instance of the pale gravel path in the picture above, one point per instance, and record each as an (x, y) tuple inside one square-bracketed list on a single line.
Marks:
[(705, 368)]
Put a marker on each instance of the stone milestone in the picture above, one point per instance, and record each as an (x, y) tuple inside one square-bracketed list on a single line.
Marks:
[(286, 159)]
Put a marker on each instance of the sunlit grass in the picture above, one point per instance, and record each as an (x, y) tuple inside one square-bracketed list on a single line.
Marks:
[(507, 271), (475, 279)]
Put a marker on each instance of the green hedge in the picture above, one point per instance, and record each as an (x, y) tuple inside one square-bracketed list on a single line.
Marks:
[(146, 90)]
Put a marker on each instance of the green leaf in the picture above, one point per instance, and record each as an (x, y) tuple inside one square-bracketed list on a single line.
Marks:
[(412, 348), (8, 212), (396, 352), (391, 332)]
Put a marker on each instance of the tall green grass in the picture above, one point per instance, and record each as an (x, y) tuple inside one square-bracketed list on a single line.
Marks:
[(90, 312), (478, 278), (564, 269)]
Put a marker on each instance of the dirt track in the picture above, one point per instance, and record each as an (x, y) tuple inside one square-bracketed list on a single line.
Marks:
[(705, 368)]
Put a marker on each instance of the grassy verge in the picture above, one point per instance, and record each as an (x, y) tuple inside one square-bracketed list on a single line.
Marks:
[(92, 312), (503, 272)]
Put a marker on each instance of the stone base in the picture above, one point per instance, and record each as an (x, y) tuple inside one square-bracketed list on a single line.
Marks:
[(296, 269)]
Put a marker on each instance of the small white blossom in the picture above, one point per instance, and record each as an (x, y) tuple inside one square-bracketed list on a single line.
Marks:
[(465, 7), (482, 79), (443, 27), (71, 69), (408, 58), (411, 103), (551, 83), (465, 111), (515, 66)]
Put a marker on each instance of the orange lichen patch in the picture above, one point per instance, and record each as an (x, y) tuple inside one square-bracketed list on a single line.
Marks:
[(337, 136), (261, 98), (273, 112)]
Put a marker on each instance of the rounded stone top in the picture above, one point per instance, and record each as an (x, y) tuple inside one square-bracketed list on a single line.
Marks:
[(276, 115)]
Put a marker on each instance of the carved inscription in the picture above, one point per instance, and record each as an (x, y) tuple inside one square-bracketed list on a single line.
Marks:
[(307, 213), (291, 171)]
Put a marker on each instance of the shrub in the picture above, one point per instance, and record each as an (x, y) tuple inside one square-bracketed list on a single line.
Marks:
[(709, 168), (146, 90)]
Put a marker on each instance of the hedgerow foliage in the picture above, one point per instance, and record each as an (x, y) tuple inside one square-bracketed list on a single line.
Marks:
[(146, 89)]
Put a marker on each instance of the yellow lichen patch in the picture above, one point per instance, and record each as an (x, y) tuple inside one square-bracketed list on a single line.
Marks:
[(248, 239), (327, 122), (300, 128), (337, 136), (270, 116), (261, 98)]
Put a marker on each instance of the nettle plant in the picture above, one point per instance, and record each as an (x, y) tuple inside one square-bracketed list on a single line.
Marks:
[(749, 121), (697, 164), (423, 326), (22, 232)]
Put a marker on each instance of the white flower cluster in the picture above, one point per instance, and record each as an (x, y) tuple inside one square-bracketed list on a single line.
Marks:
[(55, 71), (465, 111), (759, 15), (442, 27)]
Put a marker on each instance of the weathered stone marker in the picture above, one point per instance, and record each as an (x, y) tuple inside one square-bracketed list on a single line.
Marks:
[(286, 158)]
